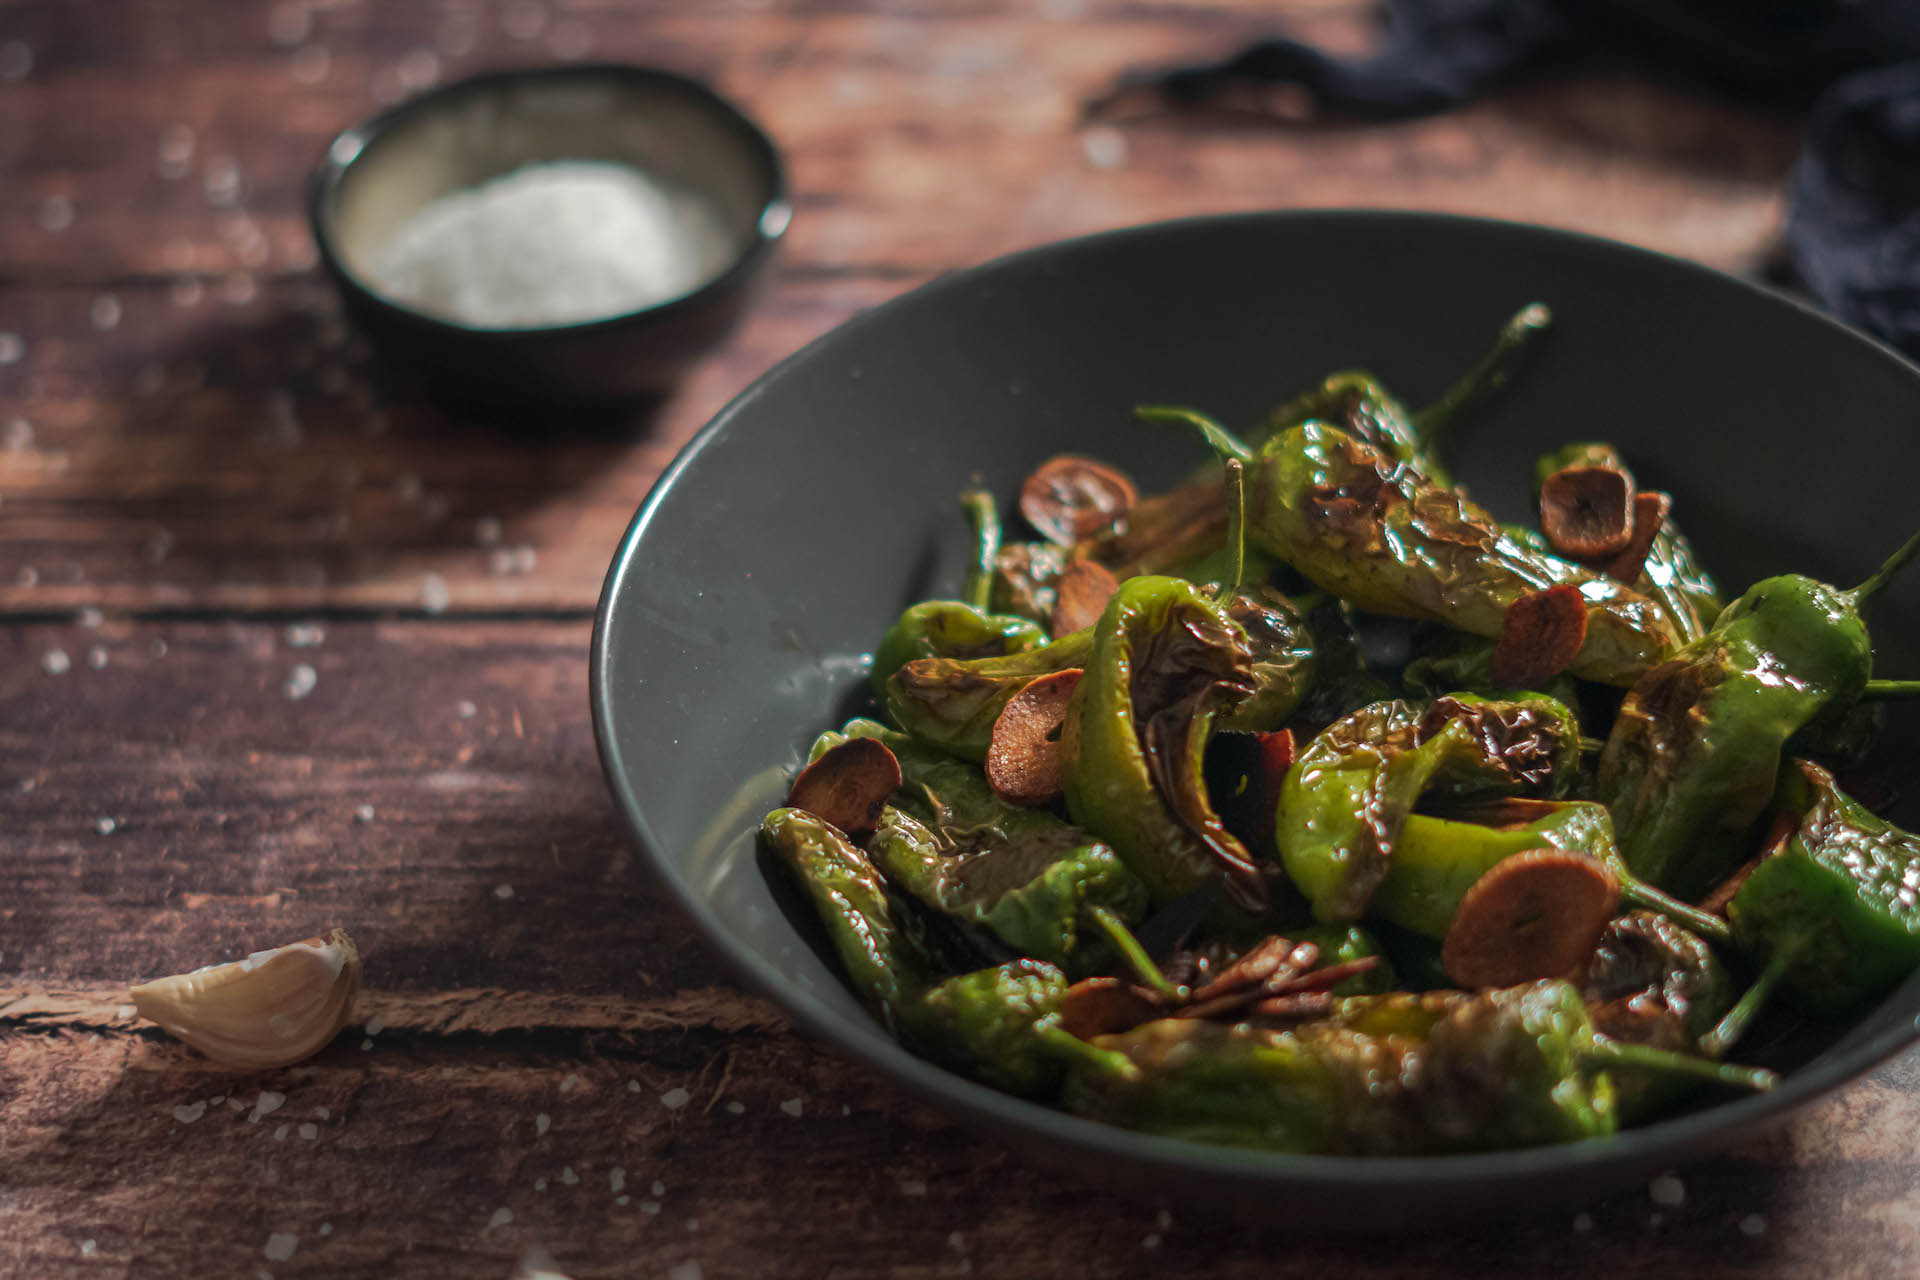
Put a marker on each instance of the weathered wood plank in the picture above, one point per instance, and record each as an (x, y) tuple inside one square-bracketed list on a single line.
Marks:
[(198, 451)]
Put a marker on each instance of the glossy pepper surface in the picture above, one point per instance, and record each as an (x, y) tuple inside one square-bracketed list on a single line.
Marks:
[(1350, 792), (982, 1023), (1166, 664), (1398, 1074), (1834, 905), (951, 704), (1022, 874), (1652, 982), (1385, 538), (1691, 762)]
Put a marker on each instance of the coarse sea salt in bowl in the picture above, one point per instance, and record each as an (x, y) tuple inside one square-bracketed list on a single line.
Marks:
[(553, 239)]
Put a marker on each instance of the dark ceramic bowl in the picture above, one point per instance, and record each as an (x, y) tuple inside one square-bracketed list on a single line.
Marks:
[(376, 175), (740, 610)]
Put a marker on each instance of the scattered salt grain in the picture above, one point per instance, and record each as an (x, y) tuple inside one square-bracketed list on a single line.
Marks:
[(87, 1247), (310, 64), (500, 1218), (568, 1082), (693, 1224), (280, 1246), (105, 312), (19, 434), (301, 680), (105, 826), (570, 40), (149, 378), (189, 1112), (305, 635), (633, 1086), (506, 560), (503, 891), (366, 1044), (324, 1113), (658, 1188), (187, 291), (650, 1206), (674, 1099), (433, 593), (326, 1228), (280, 1134), (1151, 1242), (542, 1122), (553, 244), (1667, 1190), (376, 1024), (1583, 1222), (1163, 1220), (486, 531), (12, 347), (617, 1180), (684, 1271), (56, 213), (465, 709), (28, 576), (623, 1201), (239, 288), (309, 1131), (221, 181), (288, 24), (737, 1108), (913, 1187), (568, 1176), (1105, 148), (539, 1184), (56, 662), (1655, 1219), (419, 69), (90, 617), (363, 814), (792, 1106), (1754, 1224)]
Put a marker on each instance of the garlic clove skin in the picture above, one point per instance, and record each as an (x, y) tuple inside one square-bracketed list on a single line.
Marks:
[(272, 1009)]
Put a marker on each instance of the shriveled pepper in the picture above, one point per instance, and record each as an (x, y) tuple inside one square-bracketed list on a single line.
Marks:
[(1691, 762), (1348, 797), (1167, 663), (1671, 574), (959, 628), (1652, 982), (982, 1023), (1022, 874), (1387, 539), (1399, 1074), (951, 703)]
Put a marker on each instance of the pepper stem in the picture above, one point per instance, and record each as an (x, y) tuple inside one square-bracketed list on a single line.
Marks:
[(1892, 689), (1062, 1044), (1884, 574), (1641, 894), (985, 518), (1236, 529), (1123, 941), (1639, 1057), (1741, 1016), (1221, 440), (1494, 369)]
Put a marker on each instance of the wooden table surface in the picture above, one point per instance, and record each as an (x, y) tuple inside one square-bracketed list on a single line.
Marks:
[(280, 649)]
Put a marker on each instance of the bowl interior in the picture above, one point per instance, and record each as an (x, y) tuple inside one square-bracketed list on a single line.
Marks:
[(741, 609), (669, 127)]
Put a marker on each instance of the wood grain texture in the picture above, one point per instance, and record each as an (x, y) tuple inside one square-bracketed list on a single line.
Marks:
[(225, 444)]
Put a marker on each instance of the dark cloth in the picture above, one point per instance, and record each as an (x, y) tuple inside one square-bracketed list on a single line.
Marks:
[(1853, 227)]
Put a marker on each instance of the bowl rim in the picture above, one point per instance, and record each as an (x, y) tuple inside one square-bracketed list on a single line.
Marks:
[(1640, 1147), (344, 149)]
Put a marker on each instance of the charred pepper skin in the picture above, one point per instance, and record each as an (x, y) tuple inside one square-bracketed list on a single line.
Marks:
[(1022, 874), (950, 629), (1387, 539), (950, 704), (1349, 794), (985, 1023), (1835, 906), (1399, 1074), (1652, 982), (1166, 664), (1690, 765)]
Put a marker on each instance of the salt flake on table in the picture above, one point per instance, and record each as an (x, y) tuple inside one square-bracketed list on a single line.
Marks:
[(617, 1180), (105, 312), (541, 1123), (500, 1218), (1667, 1190), (301, 681), (1754, 1224), (56, 213), (309, 1131), (674, 1099), (310, 64), (105, 826), (792, 1106), (266, 1104), (16, 60), (55, 662), (684, 1271), (189, 1112), (503, 892), (19, 434), (433, 593), (568, 1176), (12, 347), (658, 1188), (280, 1246)]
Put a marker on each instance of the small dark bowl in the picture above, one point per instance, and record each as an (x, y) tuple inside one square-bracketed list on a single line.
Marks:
[(377, 174), (767, 561)]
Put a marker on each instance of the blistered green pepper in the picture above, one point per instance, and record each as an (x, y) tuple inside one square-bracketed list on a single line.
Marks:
[(1352, 788), (1284, 662), (982, 1023), (1399, 1074), (1671, 576), (1436, 860), (1832, 910), (1022, 874), (1693, 757), (1343, 944), (1387, 539), (1652, 982), (1167, 663), (1455, 660), (958, 628)]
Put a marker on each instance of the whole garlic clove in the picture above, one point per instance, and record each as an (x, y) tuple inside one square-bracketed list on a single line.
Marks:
[(271, 1009)]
